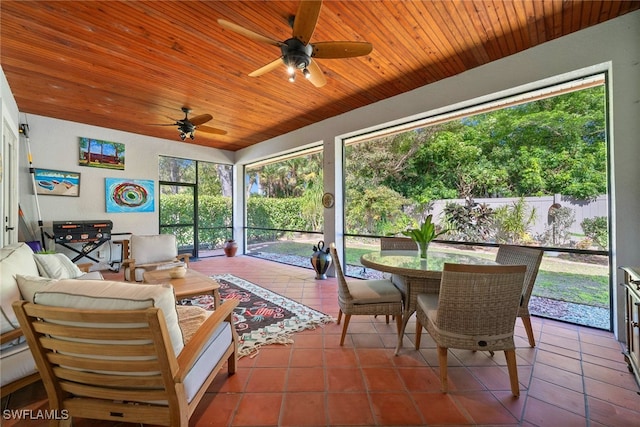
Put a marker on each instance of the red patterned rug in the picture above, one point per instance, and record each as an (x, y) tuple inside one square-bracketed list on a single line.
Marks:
[(262, 317)]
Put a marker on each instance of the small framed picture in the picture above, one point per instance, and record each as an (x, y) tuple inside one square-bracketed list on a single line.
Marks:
[(101, 154), (57, 183)]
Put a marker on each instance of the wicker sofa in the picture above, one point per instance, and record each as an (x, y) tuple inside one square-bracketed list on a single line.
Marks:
[(18, 366)]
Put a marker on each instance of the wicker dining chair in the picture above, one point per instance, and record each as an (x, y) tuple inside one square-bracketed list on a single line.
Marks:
[(397, 244), (475, 310), (517, 255), (365, 297)]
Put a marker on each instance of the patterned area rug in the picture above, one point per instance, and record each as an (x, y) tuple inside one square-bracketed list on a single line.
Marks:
[(262, 317)]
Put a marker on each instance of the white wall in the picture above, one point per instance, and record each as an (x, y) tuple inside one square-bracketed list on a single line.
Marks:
[(613, 46), (55, 145)]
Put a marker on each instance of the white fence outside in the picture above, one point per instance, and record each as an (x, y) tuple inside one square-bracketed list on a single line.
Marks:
[(581, 209)]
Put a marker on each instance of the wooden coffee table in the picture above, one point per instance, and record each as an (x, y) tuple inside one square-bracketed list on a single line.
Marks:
[(193, 283)]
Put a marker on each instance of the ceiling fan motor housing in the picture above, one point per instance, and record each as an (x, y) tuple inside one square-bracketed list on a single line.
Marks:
[(296, 54), (186, 126)]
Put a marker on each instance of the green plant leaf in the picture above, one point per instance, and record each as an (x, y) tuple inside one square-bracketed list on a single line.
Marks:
[(425, 233)]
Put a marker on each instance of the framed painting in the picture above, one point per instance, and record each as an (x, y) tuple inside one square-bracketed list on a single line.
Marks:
[(57, 183), (129, 195), (101, 154)]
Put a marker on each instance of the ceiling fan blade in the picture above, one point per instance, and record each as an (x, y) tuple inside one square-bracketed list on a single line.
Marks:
[(198, 120), (209, 129), (330, 50), (305, 20), (317, 77), (248, 33), (265, 69)]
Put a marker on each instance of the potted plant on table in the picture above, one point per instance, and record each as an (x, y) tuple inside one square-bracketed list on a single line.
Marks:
[(424, 234)]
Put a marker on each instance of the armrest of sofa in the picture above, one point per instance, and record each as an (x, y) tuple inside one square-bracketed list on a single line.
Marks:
[(129, 265), (9, 336), (125, 247), (184, 258), (192, 350), (84, 267)]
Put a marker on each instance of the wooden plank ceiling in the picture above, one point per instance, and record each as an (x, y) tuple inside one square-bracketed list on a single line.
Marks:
[(129, 64)]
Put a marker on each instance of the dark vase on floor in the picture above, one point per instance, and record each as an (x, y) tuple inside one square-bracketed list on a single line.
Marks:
[(230, 248), (320, 260)]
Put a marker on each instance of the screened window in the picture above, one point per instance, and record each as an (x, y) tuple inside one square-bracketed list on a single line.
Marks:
[(530, 170), (196, 204), (284, 207)]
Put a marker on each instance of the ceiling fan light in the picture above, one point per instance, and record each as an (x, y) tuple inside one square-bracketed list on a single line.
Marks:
[(306, 73), (292, 77), (291, 70)]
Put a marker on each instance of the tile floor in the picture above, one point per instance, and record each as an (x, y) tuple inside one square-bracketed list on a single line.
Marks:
[(575, 376)]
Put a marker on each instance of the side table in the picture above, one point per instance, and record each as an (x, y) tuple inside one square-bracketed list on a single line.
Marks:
[(193, 283)]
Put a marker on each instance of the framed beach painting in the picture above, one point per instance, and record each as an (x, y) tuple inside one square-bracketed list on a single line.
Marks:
[(129, 195), (57, 183), (101, 154)]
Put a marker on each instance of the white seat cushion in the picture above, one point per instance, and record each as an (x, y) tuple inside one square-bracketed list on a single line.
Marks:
[(208, 358), (373, 291), (17, 362), (14, 259), (429, 305)]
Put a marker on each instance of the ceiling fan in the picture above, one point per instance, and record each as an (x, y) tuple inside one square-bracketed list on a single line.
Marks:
[(187, 127), (297, 52)]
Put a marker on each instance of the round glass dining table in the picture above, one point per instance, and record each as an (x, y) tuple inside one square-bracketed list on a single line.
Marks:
[(415, 275)]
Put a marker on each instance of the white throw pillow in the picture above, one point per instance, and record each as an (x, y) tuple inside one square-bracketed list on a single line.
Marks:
[(14, 259), (29, 285), (56, 266)]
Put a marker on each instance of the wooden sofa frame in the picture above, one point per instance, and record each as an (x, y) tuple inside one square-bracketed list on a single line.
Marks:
[(110, 364)]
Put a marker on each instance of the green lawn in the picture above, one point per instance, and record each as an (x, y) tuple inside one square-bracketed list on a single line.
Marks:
[(581, 288)]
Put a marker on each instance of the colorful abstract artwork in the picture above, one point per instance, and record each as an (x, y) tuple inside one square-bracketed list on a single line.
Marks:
[(101, 154), (57, 183), (129, 195)]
